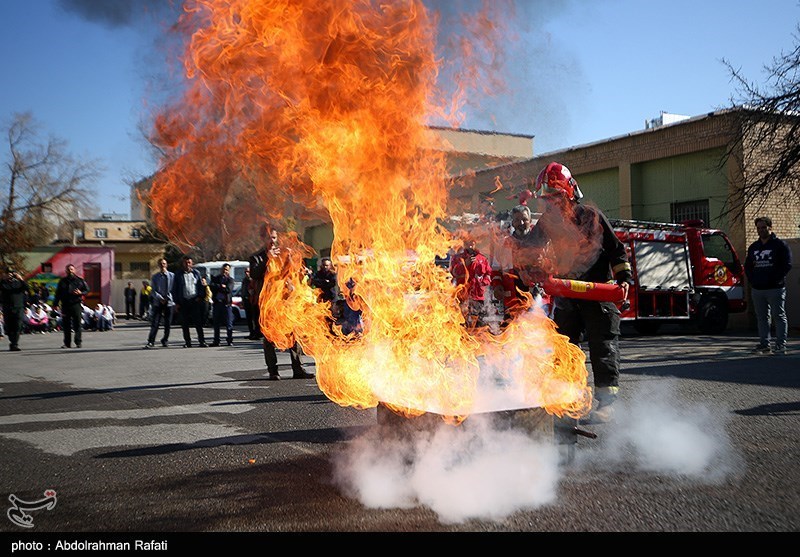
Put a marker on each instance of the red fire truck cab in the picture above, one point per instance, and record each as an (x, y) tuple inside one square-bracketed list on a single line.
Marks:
[(682, 273)]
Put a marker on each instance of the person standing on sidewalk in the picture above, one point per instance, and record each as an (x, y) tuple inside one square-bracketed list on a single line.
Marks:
[(221, 300), (249, 309), (264, 260), (768, 261), (130, 301), (325, 280), (144, 300), (189, 295), (69, 293), (13, 289), (161, 303)]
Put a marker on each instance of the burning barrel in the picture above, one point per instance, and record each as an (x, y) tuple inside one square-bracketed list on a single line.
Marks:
[(535, 422)]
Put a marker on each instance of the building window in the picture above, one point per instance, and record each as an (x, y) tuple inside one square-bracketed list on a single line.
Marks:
[(690, 210), (140, 267), (117, 267), (101, 232), (135, 233)]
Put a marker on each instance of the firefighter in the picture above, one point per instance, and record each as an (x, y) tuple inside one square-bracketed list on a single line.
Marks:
[(582, 245)]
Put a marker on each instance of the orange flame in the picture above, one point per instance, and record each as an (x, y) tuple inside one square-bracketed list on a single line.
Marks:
[(320, 105)]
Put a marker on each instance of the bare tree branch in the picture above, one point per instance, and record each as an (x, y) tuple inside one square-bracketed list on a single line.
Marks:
[(766, 145), (42, 185)]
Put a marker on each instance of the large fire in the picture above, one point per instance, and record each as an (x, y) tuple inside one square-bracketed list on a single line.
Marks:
[(319, 107)]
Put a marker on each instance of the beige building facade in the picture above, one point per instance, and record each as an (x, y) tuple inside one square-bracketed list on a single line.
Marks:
[(136, 255)]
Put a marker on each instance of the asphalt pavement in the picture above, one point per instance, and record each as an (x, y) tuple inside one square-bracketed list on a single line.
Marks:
[(114, 439)]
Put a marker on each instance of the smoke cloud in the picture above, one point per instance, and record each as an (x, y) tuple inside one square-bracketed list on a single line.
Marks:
[(475, 470), (479, 470), (121, 13), (657, 431)]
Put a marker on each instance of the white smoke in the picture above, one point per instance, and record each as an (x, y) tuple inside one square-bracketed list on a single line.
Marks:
[(655, 430), (475, 470), (480, 470)]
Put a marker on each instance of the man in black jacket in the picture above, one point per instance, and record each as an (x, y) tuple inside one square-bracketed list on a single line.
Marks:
[(130, 301), (768, 261), (161, 299), (582, 245), (325, 280), (221, 300), (189, 294), (69, 293), (13, 289), (260, 263)]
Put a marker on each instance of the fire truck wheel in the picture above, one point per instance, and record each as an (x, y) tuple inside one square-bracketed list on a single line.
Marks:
[(712, 316)]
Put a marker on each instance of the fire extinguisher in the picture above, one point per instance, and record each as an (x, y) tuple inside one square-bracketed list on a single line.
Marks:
[(585, 290)]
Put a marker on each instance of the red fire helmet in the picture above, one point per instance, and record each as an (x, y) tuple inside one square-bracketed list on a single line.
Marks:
[(556, 179)]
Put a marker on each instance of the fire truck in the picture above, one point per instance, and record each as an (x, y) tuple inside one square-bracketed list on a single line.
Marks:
[(682, 273)]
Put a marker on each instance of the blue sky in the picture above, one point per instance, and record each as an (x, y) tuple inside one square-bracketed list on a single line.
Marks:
[(581, 70)]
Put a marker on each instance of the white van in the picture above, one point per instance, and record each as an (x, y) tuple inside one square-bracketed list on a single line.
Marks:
[(213, 268)]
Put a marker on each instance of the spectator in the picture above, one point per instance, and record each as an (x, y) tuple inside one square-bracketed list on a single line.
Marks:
[(766, 265), (130, 301), (162, 303), (269, 258), (69, 293), (325, 280), (32, 296), (222, 298), (250, 310), (144, 300), (12, 293), (44, 295), (55, 319), (189, 294), (527, 253), (471, 269), (351, 311), (206, 303), (36, 319), (88, 320), (582, 245), (48, 312), (102, 318)]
